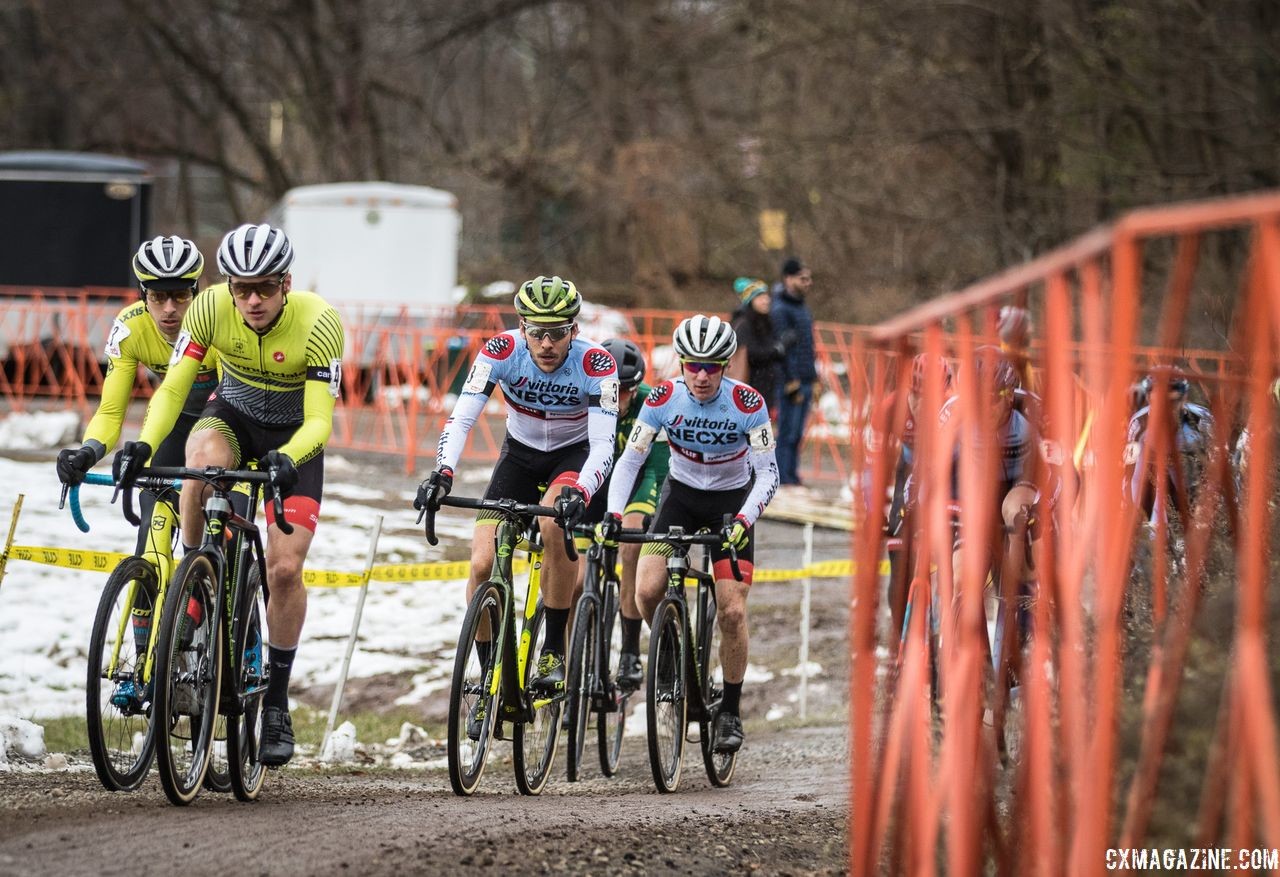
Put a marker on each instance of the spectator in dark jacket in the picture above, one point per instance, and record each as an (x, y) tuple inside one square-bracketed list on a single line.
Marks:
[(759, 351), (793, 323)]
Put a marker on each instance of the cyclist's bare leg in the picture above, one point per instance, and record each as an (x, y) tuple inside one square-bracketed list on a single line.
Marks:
[(208, 447), (651, 584), (731, 616), (629, 555), (287, 608), (559, 572), (483, 549)]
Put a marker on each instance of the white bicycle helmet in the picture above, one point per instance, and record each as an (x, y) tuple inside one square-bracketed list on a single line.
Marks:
[(255, 251), (705, 338), (165, 262)]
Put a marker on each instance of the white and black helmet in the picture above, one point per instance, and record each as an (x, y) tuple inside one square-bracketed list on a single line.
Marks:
[(255, 251), (705, 338), (168, 262)]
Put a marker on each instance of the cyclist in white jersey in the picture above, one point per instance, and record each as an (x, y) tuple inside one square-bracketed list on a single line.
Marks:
[(562, 410), (722, 462)]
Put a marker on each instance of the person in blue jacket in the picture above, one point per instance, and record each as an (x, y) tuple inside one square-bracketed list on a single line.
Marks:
[(793, 323)]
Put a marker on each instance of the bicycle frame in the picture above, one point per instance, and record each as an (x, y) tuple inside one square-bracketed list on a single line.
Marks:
[(516, 706)]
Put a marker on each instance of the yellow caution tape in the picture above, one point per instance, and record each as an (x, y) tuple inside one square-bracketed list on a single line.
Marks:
[(104, 561), (101, 561)]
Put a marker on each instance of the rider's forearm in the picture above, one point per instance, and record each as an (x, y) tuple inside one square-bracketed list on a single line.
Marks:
[(453, 436), (317, 424), (602, 427), (624, 478), (765, 465)]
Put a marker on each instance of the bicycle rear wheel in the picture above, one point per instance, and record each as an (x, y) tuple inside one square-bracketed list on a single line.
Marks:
[(118, 704), (248, 688), (611, 720), (666, 700), (534, 742), (188, 670), (719, 765), (582, 683), (473, 699)]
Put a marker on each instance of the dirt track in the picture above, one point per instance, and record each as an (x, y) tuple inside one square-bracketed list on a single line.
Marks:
[(786, 811)]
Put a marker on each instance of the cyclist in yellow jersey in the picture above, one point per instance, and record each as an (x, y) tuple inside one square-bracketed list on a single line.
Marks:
[(281, 359), (167, 269)]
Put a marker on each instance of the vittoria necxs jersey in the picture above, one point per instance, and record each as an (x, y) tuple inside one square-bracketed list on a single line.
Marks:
[(577, 402), (288, 376), (1016, 438), (715, 445), (134, 339)]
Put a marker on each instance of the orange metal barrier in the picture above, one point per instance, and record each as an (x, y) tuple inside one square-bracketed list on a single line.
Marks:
[(1052, 749), (401, 368)]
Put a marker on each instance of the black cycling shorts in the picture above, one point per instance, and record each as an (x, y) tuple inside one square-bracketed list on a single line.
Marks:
[(523, 473), (249, 441), (683, 506)]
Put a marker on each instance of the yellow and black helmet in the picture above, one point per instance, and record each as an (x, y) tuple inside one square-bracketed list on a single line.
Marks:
[(548, 300), (168, 263)]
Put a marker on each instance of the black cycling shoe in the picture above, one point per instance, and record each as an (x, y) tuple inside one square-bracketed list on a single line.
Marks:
[(630, 674), (550, 676), (475, 720), (277, 737), (727, 736)]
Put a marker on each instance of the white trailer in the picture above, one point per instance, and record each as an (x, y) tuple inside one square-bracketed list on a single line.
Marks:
[(375, 243)]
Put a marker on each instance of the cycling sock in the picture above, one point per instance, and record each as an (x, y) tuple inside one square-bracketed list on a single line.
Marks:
[(556, 621), (732, 698), (281, 662), (631, 635), (483, 648)]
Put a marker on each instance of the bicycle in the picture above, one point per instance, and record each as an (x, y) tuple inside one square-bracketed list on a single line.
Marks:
[(680, 681), (119, 713), (211, 661), (482, 698), (594, 651)]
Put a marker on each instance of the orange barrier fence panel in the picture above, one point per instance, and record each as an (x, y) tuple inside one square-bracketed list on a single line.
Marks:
[(1059, 558)]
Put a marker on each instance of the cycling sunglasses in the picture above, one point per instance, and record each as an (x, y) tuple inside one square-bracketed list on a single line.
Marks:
[(160, 296), (711, 368), (555, 333), (265, 289)]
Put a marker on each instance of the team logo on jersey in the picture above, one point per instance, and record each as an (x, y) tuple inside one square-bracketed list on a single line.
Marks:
[(520, 381), (659, 394), (597, 363), (278, 356), (747, 399), (499, 346)]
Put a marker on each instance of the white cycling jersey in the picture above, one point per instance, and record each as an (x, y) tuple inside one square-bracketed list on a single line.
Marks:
[(576, 402), (715, 445)]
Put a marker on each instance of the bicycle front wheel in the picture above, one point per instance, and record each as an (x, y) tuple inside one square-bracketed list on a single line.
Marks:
[(581, 684), (666, 701), (610, 721), (117, 696), (719, 765), (249, 687), (534, 742), (188, 670), (473, 699)]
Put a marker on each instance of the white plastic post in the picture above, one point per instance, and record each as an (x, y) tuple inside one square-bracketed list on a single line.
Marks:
[(804, 620), (351, 638)]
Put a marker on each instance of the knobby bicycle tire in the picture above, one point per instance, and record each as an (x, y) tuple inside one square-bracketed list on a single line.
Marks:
[(611, 722), (188, 671), (120, 760), (244, 724), (534, 742), (581, 684), (666, 701), (719, 765), (471, 688)]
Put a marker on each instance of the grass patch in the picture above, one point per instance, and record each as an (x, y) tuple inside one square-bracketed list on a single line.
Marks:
[(65, 734), (371, 727)]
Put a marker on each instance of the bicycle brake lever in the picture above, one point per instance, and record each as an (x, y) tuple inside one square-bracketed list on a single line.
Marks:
[(62, 500)]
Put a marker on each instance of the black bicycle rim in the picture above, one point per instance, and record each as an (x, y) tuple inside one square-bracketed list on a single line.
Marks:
[(121, 737), (470, 688), (666, 703), (187, 677)]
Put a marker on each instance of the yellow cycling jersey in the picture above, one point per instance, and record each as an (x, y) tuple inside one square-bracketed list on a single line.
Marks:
[(289, 375), (135, 338)]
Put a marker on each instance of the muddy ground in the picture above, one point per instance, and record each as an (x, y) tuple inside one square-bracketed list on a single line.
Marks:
[(785, 812)]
